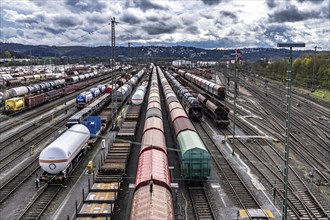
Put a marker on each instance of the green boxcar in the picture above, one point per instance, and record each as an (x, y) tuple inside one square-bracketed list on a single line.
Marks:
[(195, 158)]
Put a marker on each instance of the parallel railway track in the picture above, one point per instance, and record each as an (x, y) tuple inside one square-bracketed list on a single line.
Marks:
[(201, 203), (25, 147), (238, 190), (40, 202), (302, 203), (9, 187), (8, 140)]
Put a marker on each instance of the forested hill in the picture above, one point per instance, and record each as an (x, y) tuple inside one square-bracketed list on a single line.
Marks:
[(177, 52)]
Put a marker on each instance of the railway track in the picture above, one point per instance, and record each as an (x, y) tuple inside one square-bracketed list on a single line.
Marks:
[(242, 196), (302, 203), (25, 147), (299, 143), (43, 198), (11, 185), (8, 140), (40, 202), (201, 203), (6, 125)]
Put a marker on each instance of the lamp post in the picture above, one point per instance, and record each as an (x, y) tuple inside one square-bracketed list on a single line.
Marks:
[(314, 67), (287, 127)]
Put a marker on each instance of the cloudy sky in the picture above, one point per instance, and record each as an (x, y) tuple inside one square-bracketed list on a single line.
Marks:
[(199, 23)]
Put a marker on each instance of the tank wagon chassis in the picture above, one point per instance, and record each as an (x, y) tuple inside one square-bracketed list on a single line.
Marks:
[(20, 149), (40, 202), (9, 187)]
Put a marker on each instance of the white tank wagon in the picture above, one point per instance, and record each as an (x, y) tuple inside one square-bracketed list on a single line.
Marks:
[(138, 96), (56, 158), (17, 91)]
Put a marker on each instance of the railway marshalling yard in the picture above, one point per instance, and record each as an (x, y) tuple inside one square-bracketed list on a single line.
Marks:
[(245, 184)]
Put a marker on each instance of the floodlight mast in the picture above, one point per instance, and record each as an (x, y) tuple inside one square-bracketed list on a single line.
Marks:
[(287, 127)]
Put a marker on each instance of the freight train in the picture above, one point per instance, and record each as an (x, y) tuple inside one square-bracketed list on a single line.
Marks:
[(37, 94), (56, 159), (92, 109), (208, 86), (152, 197), (215, 110), (19, 104), (195, 158), (84, 98), (188, 101), (138, 96)]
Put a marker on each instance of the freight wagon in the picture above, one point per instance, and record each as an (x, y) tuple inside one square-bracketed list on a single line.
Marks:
[(153, 177), (217, 90), (56, 159), (190, 104), (195, 158), (215, 110)]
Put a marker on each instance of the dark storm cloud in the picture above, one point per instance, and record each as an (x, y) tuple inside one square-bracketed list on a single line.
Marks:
[(312, 1), (325, 13), (274, 32), (53, 30), (145, 5), (33, 19), (211, 2), (192, 30), (228, 14), (20, 33), (159, 28), (154, 18), (292, 14), (279, 29), (85, 5), (66, 21), (97, 19), (130, 18), (271, 3)]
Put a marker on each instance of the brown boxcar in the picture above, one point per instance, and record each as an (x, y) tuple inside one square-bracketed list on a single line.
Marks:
[(31, 101)]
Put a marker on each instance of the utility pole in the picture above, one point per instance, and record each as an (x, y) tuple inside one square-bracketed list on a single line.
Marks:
[(113, 47), (235, 96), (129, 52), (237, 59), (314, 68), (287, 128)]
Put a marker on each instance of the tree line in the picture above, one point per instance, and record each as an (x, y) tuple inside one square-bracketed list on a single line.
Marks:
[(308, 70)]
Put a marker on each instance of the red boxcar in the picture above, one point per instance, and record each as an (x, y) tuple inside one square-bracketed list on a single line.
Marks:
[(153, 122), (153, 164), (182, 124), (153, 138), (31, 101)]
